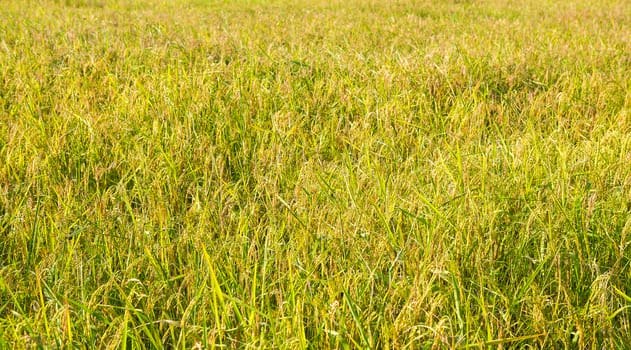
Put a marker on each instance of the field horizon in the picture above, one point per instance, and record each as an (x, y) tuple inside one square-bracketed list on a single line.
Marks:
[(317, 174)]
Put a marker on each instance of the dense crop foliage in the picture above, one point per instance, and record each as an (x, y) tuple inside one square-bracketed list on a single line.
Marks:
[(315, 174)]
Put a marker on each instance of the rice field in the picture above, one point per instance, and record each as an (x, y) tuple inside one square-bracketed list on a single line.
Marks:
[(315, 174)]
